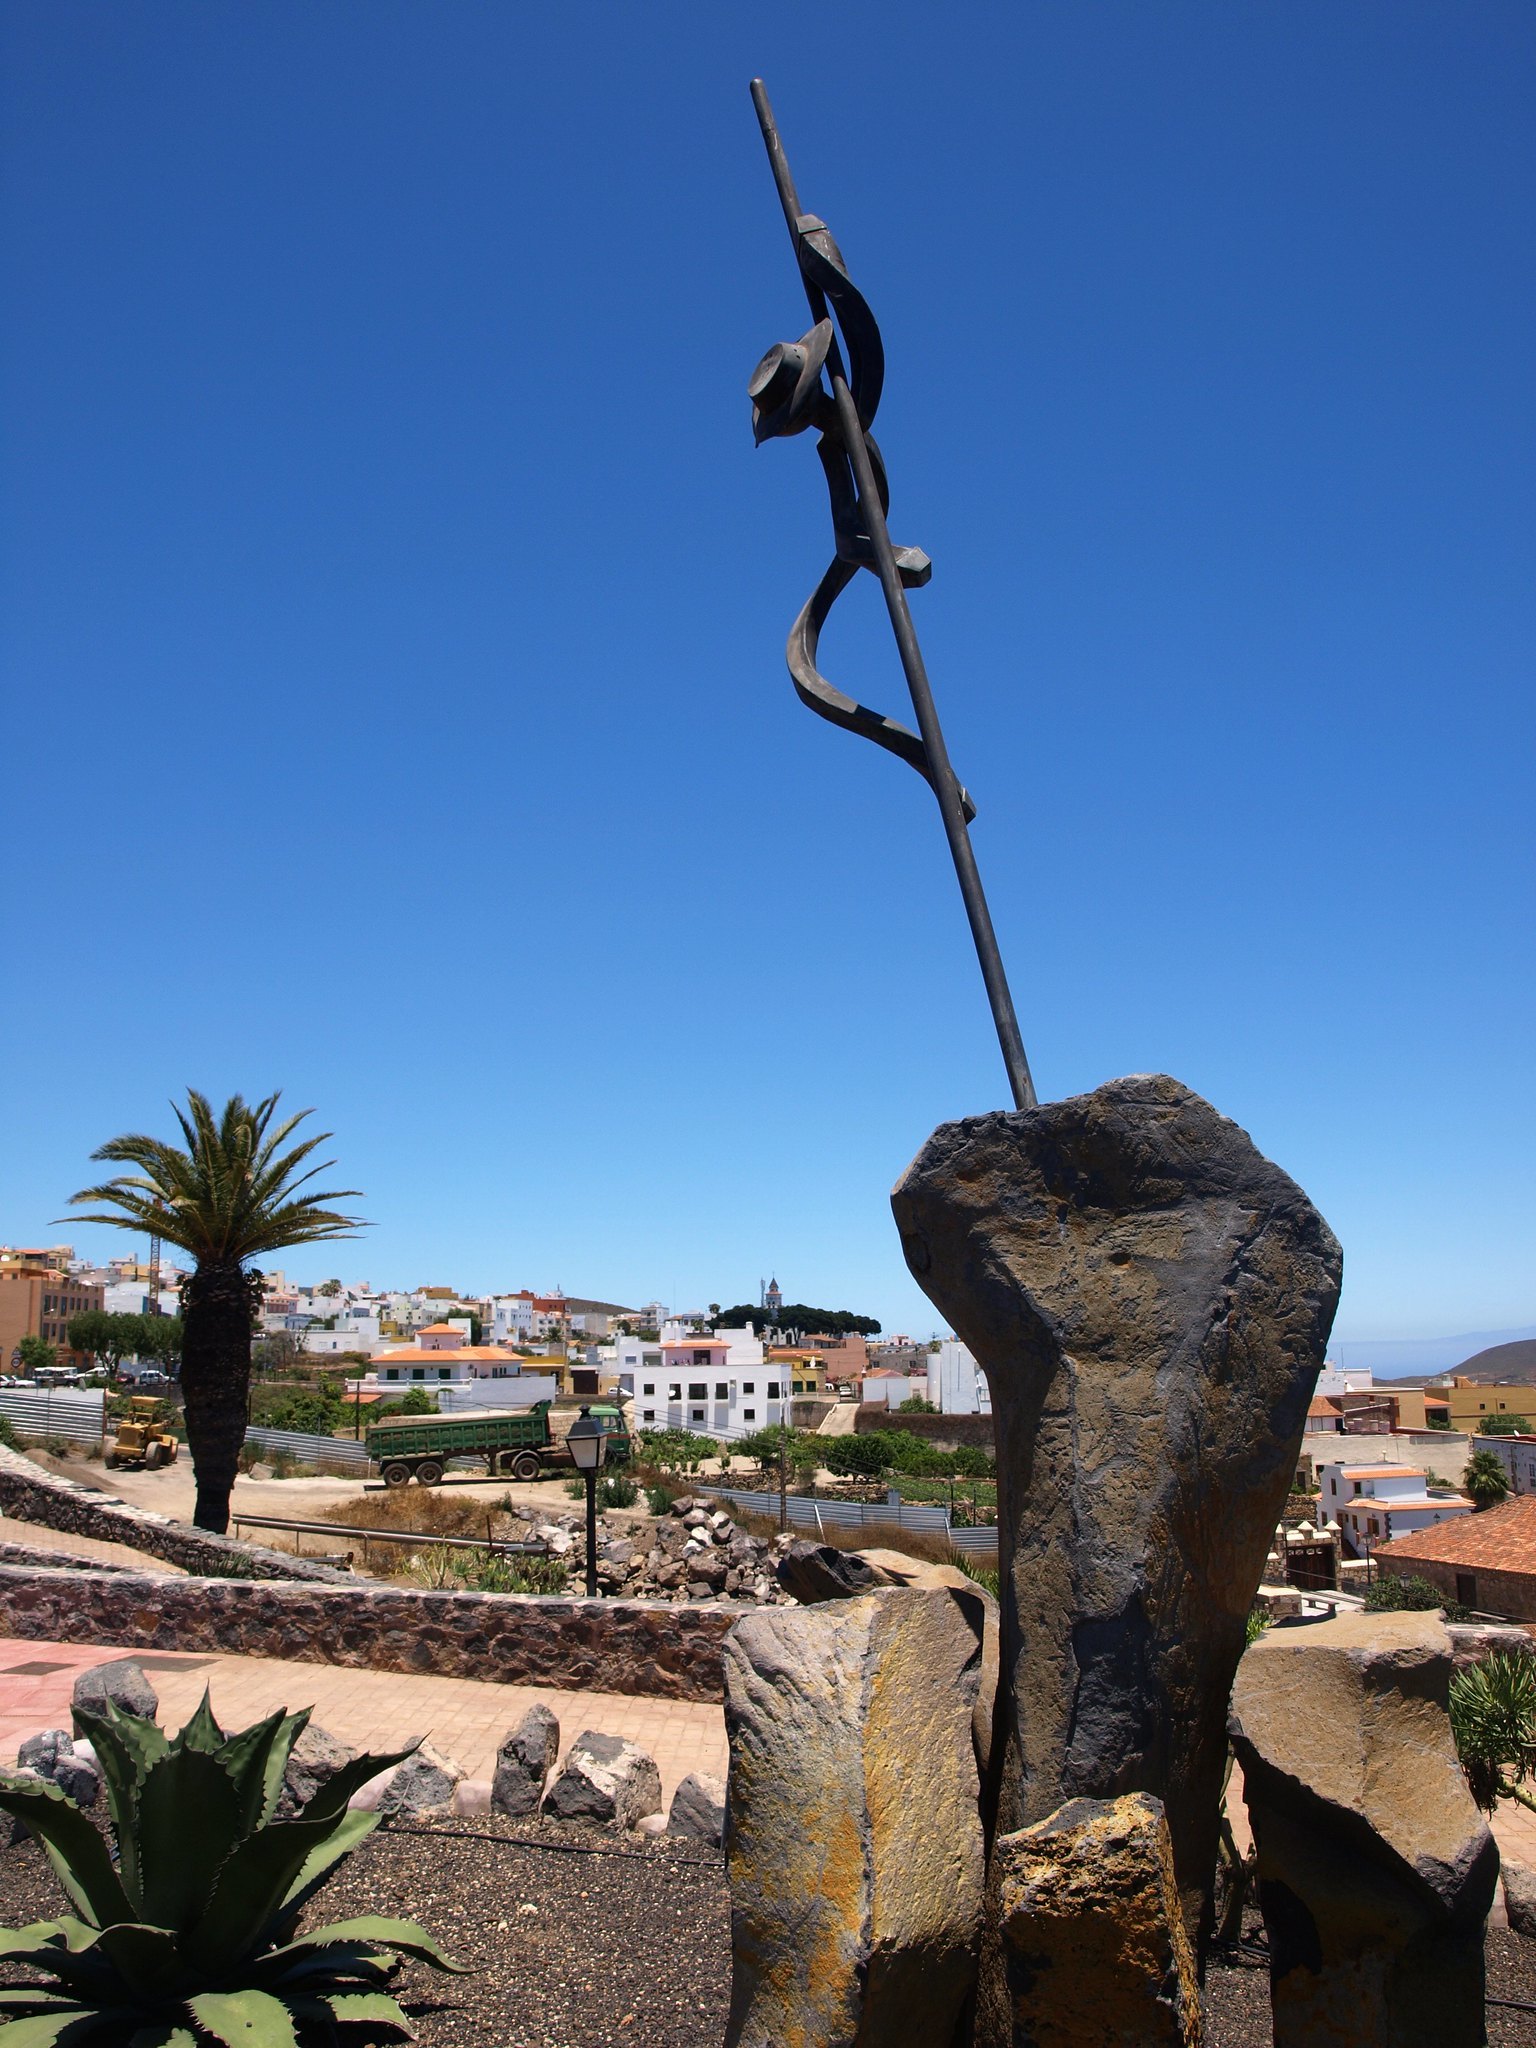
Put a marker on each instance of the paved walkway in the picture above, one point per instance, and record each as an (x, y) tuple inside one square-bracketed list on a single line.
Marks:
[(463, 1717)]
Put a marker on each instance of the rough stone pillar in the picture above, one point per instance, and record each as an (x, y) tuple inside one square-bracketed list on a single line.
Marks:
[(1375, 1869), (1150, 1299), (853, 1833)]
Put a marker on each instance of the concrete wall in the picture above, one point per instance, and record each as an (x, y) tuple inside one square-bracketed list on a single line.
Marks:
[(630, 1646)]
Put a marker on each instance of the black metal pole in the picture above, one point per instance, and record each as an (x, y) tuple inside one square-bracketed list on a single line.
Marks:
[(944, 784), (591, 1479)]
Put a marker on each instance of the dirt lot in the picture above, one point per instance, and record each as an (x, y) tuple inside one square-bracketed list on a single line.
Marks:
[(580, 1939)]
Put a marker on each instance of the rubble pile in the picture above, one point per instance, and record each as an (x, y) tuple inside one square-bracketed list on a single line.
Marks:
[(697, 1552)]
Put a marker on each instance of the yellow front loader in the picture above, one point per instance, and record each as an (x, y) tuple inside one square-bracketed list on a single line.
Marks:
[(142, 1438)]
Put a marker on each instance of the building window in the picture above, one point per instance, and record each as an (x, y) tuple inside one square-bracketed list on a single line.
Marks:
[(391, 1372), (418, 1372), (445, 1372), (698, 1390), (1357, 1486), (722, 1390), (749, 1415), (749, 1386), (701, 1358), (773, 1390), (675, 1391), (696, 1415), (648, 1389), (649, 1415)]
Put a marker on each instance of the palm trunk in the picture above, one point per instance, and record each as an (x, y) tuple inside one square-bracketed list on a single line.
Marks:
[(216, 1381)]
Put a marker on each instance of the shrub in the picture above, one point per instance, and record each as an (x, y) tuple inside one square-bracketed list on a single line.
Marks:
[(658, 1500), (856, 1457), (487, 1571), (1493, 1718), (1392, 1595), (914, 1404), (191, 1936), (1504, 1425), (619, 1491), (985, 1575), (8, 1436), (576, 1489)]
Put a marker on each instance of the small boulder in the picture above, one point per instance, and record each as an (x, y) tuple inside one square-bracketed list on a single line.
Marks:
[(698, 1809), (313, 1761), (52, 1755), (1520, 1896), (524, 1761), (605, 1779), (123, 1683), (422, 1788), (813, 1572), (1093, 1929), (683, 1505)]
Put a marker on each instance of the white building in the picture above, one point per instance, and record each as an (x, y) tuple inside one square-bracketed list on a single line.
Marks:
[(719, 1385), (1517, 1454), (1374, 1503), (958, 1384)]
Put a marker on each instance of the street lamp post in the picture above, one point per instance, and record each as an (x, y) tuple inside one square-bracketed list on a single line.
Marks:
[(588, 1445)]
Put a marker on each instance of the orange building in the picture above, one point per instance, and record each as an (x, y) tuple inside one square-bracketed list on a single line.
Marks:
[(38, 1295)]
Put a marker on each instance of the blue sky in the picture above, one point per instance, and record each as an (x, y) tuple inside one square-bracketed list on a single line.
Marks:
[(394, 612)]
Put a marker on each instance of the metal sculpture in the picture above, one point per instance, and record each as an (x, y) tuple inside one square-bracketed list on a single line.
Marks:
[(788, 395)]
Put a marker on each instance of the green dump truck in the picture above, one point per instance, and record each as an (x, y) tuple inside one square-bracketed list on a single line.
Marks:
[(522, 1443)]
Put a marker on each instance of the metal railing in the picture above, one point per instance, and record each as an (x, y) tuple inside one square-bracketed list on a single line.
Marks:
[(535, 1547)]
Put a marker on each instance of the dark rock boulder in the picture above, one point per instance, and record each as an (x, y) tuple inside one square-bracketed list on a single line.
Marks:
[(1150, 1299), (123, 1683), (820, 1571), (52, 1755), (524, 1761), (697, 1812), (605, 1779), (312, 1762)]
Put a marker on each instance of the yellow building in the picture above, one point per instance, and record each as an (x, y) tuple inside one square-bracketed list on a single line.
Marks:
[(805, 1370), (1468, 1401), (37, 1299)]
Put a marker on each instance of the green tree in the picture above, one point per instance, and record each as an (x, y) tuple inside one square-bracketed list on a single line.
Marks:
[(1504, 1425), (914, 1404), (37, 1354), (1484, 1480), (857, 1457), (231, 1196), (162, 1341)]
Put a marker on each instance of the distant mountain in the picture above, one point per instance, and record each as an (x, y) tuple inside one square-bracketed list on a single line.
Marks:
[(1414, 1357), (1515, 1361)]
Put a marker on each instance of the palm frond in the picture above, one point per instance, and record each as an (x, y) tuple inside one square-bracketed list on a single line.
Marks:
[(231, 1194)]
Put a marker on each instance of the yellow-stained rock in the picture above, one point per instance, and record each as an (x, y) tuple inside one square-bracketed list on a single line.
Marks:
[(853, 1835), (1096, 1954)]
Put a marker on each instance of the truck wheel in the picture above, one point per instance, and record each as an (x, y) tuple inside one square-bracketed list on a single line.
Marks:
[(111, 1461), (428, 1472), (397, 1475), (154, 1458), (526, 1466)]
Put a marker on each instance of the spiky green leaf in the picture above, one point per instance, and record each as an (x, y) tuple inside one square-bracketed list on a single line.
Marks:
[(244, 2019), (72, 1845), (163, 2037), (263, 1881), (126, 1745), (372, 2009), (188, 1825), (403, 1936), (201, 1730), (69, 2026), (352, 1777)]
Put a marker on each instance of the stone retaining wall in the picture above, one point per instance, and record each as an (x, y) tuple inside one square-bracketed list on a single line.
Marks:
[(626, 1646), (56, 1560), (28, 1493)]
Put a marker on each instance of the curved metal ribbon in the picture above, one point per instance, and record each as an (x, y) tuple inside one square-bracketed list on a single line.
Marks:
[(788, 397), (828, 702)]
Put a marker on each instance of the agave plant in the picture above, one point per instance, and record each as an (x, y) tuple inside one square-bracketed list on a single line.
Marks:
[(1493, 1718), (190, 1936)]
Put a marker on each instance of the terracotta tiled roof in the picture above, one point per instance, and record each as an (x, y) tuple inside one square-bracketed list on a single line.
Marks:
[(1498, 1540), (440, 1330), (1320, 1404)]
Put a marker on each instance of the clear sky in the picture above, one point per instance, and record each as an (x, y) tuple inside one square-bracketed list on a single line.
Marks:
[(394, 609)]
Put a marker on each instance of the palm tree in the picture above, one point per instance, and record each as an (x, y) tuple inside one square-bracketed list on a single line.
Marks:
[(1485, 1480), (229, 1197)]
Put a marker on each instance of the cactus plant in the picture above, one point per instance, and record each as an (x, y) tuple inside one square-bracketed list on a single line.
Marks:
[(190, 1936)]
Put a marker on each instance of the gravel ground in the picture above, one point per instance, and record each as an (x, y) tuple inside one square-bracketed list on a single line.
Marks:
[(579, 1939)]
